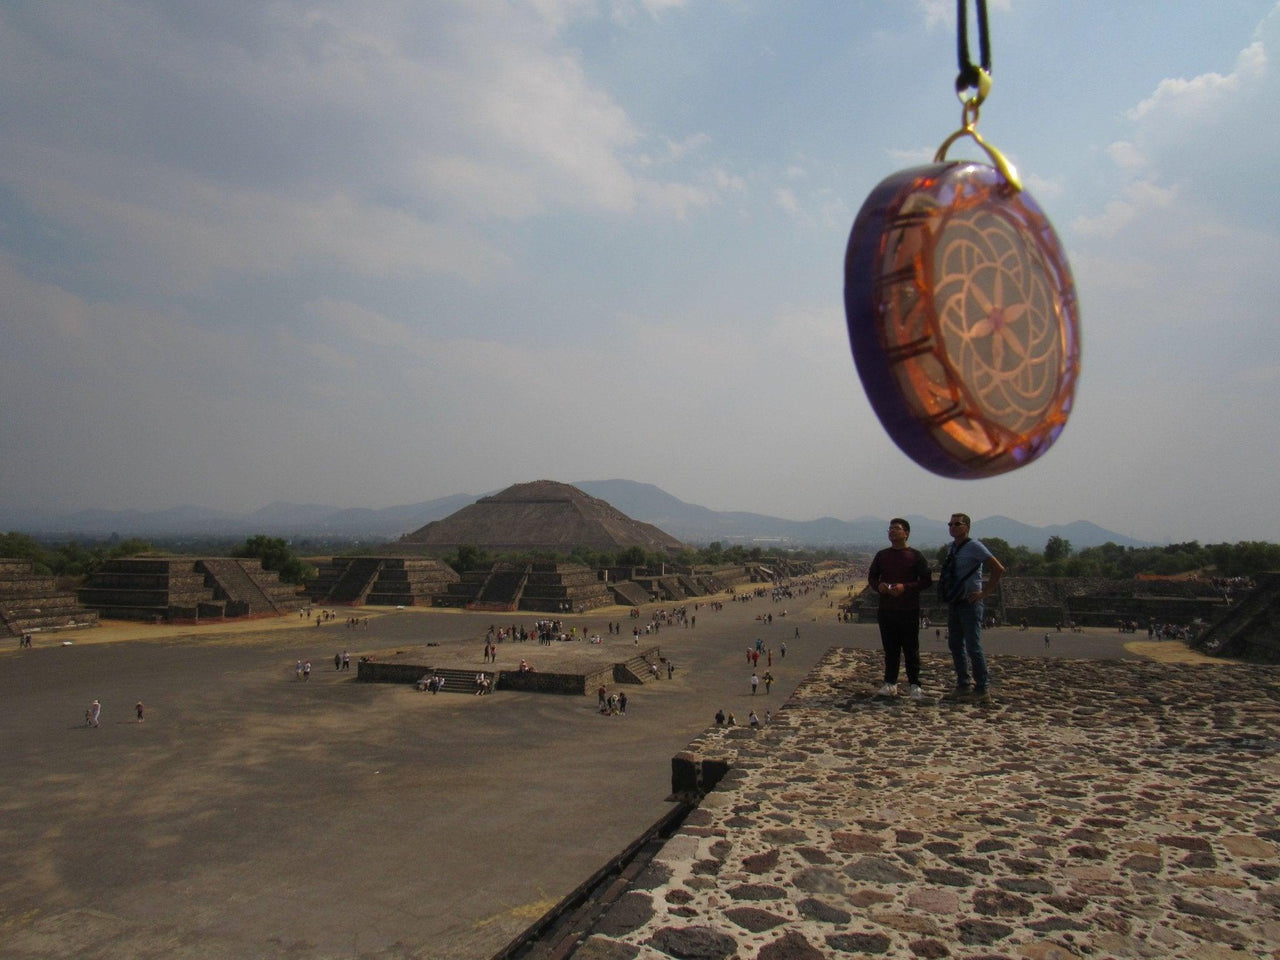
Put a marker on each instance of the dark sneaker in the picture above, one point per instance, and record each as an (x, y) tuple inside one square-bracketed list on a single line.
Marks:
[(981, 694), (959, 693)]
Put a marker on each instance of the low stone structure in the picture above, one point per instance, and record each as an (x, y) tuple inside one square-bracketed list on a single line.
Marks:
[(1092, 809), (31, 602), (462, 680), (186, 588), (1249, 629), (547, 587), (1085, 601), (385, 581)]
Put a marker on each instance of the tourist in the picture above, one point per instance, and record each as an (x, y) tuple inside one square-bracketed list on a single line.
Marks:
[(898, 573), (752, 719), (337, 661), (622, 703), (731, 722), (755, 682), (601, 694), (720, 717), (768, 681), (782, 650), (138, 709), (346, 660), (297, 670), (960, 587), (306, 670), (95, 713)]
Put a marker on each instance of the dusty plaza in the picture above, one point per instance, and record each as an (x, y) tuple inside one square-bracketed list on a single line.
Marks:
[(255, 815)]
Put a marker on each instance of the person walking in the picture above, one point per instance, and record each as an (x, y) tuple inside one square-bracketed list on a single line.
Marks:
[(961, 588), (755, 682), (898, 573)]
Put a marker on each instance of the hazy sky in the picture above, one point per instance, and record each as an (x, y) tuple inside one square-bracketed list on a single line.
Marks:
[(375, 253)]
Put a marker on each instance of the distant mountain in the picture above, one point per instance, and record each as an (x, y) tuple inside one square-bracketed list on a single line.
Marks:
[(694, 524), (640, 501)]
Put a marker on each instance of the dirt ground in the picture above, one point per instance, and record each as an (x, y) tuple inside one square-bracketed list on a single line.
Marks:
[(252, 815)]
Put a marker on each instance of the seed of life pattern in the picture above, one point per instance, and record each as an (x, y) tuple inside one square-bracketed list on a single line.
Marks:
[(997, 318), (965, 333)]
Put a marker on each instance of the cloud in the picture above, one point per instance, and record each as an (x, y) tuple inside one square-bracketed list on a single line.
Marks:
[(1139, 197), (1200, 96), (379, 142)]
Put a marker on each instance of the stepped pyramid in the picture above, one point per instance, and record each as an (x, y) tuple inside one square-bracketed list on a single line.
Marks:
[(158, 588), (1249, 628), (31, 602), (543, 515)]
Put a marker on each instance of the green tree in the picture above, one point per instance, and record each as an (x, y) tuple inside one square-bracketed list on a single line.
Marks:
[(632, 557), (275, 554), (1058, 548), (19, 546), (468, 557)]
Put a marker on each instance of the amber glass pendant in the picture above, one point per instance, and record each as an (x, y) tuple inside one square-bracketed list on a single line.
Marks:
[(962, 314)]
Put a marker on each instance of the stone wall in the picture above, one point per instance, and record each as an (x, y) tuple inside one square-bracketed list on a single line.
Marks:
[(32, 603)]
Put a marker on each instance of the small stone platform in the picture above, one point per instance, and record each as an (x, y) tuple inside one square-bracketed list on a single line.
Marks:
[(1118, 809)]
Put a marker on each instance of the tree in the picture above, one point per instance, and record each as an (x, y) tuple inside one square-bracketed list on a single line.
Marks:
[(1058, 548), (469, 557), (275, 554), (632, 557)]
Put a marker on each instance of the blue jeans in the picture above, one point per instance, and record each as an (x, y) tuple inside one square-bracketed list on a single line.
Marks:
[(964, 626)]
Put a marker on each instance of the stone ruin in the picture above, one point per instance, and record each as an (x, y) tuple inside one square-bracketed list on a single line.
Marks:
[(1250, 628), (31, 602), (545, 587), (543, 516), (380, 581), (1085, 601), (186, 588)]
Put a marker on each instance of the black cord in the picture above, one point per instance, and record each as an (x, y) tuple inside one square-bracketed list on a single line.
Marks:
[(967, 79)]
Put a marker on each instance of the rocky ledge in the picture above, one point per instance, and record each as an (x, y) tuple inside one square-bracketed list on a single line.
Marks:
[(1089, 809)]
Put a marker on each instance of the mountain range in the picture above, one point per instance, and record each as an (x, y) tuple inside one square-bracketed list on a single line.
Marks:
[(641, 501)]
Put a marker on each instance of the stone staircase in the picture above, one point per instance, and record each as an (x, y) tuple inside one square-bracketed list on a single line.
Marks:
[(629, 594), (233, 584), (463, 681), (407, 582), (502, 590), (356, 581), (637, 669)]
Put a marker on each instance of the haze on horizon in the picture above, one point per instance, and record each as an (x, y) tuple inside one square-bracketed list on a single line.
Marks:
[(369, 255)]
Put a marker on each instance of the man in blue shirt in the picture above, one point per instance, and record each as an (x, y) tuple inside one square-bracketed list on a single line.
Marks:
[(960, 585)]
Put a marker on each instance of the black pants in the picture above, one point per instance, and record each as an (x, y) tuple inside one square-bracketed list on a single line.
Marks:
[(899, 635)]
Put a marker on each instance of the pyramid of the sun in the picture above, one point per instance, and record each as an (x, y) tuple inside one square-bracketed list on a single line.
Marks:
[(543, 515)]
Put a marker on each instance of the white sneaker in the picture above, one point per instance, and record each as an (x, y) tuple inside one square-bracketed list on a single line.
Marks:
[(888, 690), (914, 692)]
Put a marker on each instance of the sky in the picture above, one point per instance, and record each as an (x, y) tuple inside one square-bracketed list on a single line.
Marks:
[(368, 254)]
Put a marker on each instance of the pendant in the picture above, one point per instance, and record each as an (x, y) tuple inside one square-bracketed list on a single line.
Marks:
[(962, 316)]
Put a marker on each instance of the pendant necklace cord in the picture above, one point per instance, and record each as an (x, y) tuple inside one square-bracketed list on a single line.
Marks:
[(970, 74)]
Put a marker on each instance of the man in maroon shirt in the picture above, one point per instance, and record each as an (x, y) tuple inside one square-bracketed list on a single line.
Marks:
[(898, 573)]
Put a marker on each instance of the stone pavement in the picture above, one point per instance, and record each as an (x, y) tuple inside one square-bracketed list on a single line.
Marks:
[(1091, 809)]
